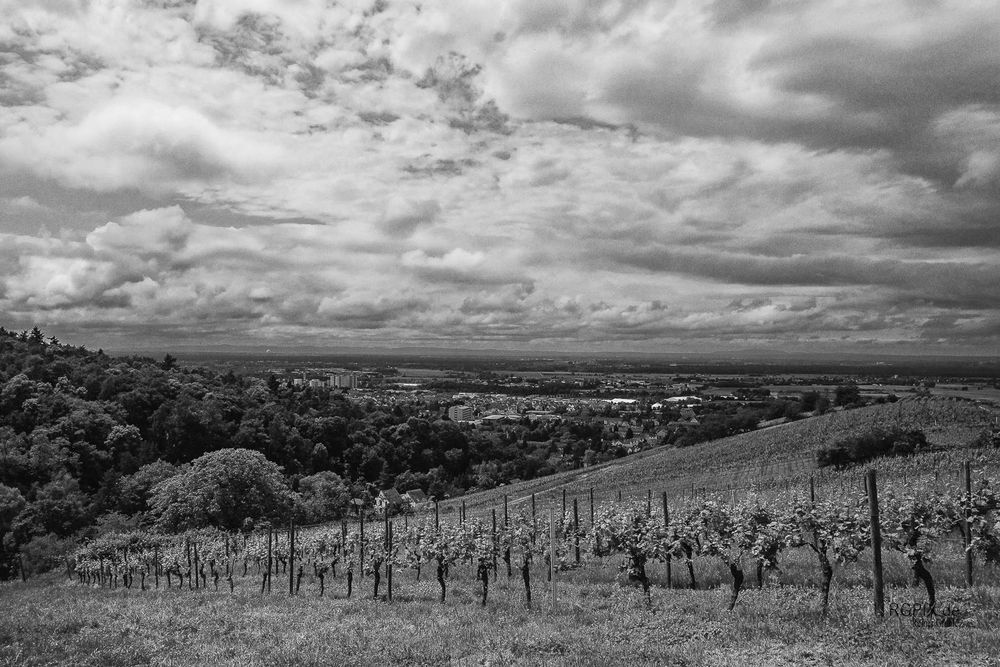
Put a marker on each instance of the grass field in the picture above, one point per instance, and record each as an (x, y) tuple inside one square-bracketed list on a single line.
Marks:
[(53, 622)]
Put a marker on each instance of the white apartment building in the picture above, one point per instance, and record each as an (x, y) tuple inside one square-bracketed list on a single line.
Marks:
[(344, 381), (460, 413)]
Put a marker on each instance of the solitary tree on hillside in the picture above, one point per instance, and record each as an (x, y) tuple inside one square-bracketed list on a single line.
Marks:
[(221, 489)]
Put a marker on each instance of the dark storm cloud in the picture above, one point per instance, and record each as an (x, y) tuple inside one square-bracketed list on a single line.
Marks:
[(828, 77), (904, 84), (940, 283), (369, 313)]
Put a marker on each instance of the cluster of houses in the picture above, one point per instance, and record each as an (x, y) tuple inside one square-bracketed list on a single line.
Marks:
[(395, 502)]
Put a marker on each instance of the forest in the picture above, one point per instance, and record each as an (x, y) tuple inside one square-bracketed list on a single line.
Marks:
[(90, 443)]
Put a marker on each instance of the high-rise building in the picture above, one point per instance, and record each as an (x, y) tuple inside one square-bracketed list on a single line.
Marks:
[(460, 413), (344, 380)]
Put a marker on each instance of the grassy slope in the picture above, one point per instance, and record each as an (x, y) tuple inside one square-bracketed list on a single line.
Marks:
[(770, 456)]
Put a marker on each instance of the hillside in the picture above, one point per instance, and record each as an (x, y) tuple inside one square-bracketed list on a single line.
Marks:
[(104, 609), (767, 458), (86, 440), (90, 443)]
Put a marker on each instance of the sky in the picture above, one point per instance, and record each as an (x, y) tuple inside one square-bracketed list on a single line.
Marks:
[(584, 175)]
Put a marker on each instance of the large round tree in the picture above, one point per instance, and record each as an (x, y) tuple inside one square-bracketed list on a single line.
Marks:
[(222, 489)]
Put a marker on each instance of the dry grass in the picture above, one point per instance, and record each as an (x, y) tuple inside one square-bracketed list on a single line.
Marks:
[(51, 621)]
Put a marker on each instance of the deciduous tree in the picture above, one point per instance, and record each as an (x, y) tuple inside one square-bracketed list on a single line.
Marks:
[(221, 489)]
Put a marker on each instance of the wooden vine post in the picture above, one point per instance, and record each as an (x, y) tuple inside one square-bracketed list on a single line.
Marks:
[(534, 520), (878, 590), (812, 501), (576, 530), (666, 524), (291, 556), (506, 525), (552, 560), (270, 555), (388, 559), (591, 508), (967, 469), (493, 541)]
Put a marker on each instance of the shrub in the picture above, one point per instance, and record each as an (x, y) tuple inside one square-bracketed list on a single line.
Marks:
[(876, 442)]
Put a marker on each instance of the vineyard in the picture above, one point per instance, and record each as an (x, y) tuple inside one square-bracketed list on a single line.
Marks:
[(752, 534), (929, 509), (774, 459), (670, 557)]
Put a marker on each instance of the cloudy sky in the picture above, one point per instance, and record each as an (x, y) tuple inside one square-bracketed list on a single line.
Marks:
[(599, 175)]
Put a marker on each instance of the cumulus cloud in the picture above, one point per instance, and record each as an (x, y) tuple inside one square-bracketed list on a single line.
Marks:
[(617, 173), (163, 231), (58, 282), (973, 132), (134, 143)]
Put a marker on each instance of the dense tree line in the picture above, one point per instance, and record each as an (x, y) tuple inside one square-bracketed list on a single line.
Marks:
[(91, 442)]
